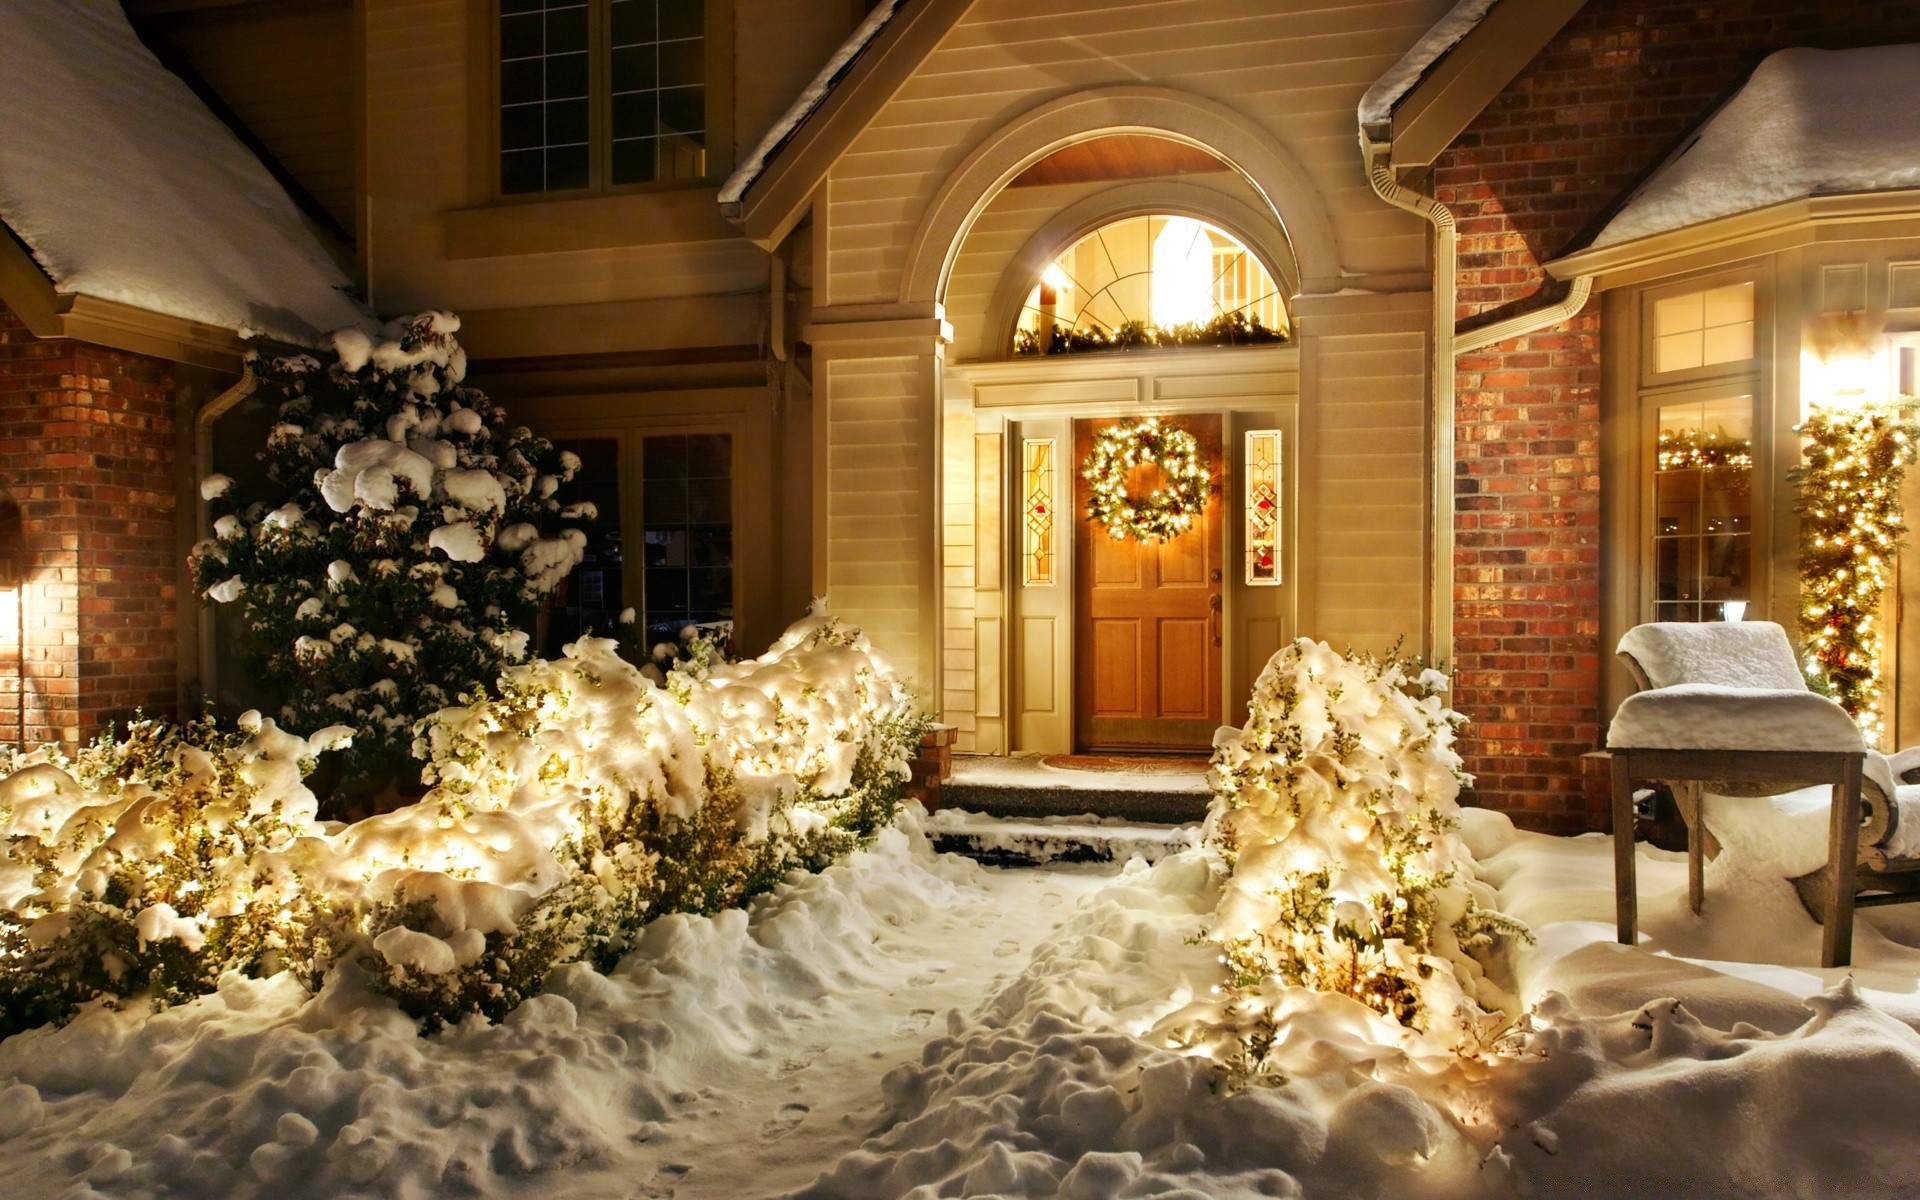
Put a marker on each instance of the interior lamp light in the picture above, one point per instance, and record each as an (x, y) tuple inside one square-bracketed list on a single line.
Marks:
[(1182, 274), (1733, 610)]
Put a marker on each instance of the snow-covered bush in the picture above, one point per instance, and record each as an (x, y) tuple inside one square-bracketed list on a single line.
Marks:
[(153, 863), (1335, 808), (580, 802), (401, 542)]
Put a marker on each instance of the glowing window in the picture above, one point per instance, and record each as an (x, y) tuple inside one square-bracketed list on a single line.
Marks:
[(1703, 509), (1155, 280), (1704, 329)]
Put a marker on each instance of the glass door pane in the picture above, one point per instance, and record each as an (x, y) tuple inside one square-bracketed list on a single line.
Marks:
[(588, 600), (688, 513)]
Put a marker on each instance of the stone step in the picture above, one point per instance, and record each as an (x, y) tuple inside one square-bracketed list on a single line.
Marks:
[(1156, 793), (1086, 838)]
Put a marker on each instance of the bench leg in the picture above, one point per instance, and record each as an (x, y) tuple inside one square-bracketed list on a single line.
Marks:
[(1687, 794), (1843, 856), (1623, 880)]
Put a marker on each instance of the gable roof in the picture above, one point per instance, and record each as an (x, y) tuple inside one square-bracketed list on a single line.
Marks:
[(809, 99), (1462, 19), (125, 188), (1806, 123)]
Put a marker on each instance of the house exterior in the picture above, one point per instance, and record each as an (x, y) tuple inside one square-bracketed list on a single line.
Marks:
[(785, 275)]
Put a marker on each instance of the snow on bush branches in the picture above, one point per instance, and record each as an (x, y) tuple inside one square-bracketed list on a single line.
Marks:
[(1335, 809), (565, 813), (403, 535)]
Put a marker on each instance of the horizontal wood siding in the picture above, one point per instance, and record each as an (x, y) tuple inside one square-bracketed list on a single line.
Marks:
[(880, 516), (1368, 503)]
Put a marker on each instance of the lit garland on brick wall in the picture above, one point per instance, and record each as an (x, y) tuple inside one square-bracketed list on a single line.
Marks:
[(1850, 525), (1164, 513)]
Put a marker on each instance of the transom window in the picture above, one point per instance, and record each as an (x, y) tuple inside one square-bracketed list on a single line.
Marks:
[(1704, 329), (600, 93), (1153, 280)]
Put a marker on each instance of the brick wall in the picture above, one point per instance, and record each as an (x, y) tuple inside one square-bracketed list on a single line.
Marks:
[(1599, 107), (87, 451)]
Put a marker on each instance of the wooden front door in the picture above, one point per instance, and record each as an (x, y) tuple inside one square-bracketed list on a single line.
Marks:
[(1147, 620)]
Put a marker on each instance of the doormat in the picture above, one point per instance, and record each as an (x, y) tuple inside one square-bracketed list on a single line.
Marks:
[(1130, 764)]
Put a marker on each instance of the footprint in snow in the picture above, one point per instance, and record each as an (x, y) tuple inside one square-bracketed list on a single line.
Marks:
[(914, 1022), (1006, 949), (1050, 899), (784, 1122), (665, 1182), (931, 975)]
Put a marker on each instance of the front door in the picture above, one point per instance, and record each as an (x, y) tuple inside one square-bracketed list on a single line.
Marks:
[(1147, 619)]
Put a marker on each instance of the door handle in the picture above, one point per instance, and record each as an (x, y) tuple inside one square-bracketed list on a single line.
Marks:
[(1213, 616)]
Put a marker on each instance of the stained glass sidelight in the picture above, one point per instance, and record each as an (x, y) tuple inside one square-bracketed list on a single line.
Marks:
[(1263, 507), (1038, 512)]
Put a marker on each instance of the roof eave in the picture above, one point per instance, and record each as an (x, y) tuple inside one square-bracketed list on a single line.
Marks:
[(778, 197), (1460, 84), (47, 313), (1851, 216)]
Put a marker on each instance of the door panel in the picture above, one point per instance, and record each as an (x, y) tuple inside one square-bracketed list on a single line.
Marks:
[(1148, 621)]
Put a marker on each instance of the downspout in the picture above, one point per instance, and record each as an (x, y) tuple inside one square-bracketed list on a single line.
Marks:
[(1378, 158), (777, 307), (1532, 321), (203, 421)]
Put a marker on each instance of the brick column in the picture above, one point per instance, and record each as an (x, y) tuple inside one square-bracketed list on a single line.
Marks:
[(87, 451)]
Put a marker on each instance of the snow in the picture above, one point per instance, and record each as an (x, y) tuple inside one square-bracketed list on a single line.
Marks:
[(1387, 91), (126, 188), (1748, 654), (810, 98), (728, 1056), (1704, 716), (1057, 839), (1807, 123), (461, 542), (368, 473)]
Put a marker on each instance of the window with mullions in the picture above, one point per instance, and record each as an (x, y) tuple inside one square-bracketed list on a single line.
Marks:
[(601, 93)]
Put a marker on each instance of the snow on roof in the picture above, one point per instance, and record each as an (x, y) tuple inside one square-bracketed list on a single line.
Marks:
[(126, 188), (1808, 123), (1388, 90), (810, 99)]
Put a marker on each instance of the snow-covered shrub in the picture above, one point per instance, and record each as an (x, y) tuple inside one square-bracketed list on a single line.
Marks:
[(567, 810), (402, 540), (1335, 808), (151, 864)]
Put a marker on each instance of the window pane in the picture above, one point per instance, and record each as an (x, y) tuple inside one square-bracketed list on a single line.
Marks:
[(567, 168), (683, 64), (1703, 329), (635, 114), (635, 68), (1703, 508), (682, 18), (633, 161), (633, 22), (689, 531), (567, 30)]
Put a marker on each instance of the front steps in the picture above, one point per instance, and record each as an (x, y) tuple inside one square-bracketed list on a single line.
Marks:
[(1154, 791), (999, 842), (1028, 812)]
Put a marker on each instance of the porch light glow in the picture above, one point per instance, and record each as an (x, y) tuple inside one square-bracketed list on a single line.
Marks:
[(1182, 274)]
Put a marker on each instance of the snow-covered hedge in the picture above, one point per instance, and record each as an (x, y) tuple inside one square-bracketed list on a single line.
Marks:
[(581, 802), (389, 562), (1335, 807)]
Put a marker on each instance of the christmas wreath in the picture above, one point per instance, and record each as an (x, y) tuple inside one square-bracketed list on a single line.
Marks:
[(1166, 512)]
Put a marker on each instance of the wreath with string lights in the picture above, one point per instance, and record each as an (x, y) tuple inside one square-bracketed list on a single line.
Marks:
[(1162, 514)]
